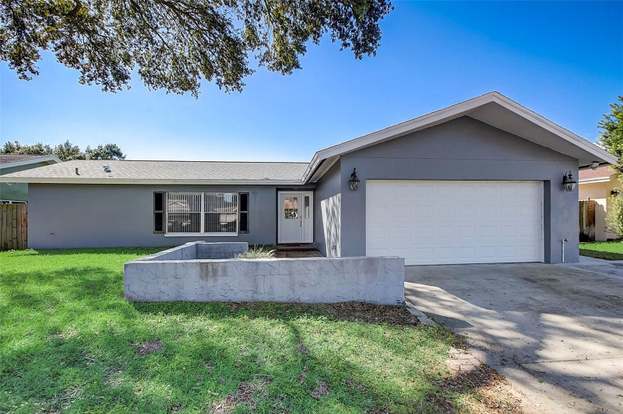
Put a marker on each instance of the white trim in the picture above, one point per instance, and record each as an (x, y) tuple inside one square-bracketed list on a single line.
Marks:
[(447, 114), (595, 180), (43, 158), (200, 234)]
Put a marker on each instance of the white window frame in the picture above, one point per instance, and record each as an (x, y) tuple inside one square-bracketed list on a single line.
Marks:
[(202, 217)]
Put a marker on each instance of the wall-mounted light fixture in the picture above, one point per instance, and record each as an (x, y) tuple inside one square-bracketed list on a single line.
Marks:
[(353, 183), (568, 182)]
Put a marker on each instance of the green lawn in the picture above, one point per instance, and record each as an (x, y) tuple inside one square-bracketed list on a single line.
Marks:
[(610, 250), (70, 342)]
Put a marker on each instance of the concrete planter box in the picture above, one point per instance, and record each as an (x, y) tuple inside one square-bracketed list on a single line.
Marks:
[(188, 273)]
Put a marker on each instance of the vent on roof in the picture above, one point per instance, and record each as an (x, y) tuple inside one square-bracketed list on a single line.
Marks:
[(107, 168)]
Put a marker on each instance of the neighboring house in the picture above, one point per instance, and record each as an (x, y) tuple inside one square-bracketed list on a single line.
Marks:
[(477, 182), (10, 163), (598, 185)]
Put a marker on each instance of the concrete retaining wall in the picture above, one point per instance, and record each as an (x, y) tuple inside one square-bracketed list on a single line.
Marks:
[(306, 280), (201, 250)]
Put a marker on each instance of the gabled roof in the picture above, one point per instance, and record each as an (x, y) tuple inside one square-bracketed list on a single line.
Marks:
[(163, 172), (492, 108), (17, 160)]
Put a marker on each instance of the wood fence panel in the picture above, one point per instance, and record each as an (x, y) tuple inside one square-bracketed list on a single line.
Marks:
[(587, 220), (13, 226)]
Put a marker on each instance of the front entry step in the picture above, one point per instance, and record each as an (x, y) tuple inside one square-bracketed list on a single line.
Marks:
[(296, 246)]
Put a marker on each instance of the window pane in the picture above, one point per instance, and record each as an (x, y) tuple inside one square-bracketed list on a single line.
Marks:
[(184, 223), (244, 202), (306, 204), (158, 201), (184, 203), (221, 212), (220, 222), (221, 203), (244, 223), (291, 208), (158, 222)]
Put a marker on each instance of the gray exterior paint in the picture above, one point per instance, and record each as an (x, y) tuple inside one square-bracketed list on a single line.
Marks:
[(69, 215), (463, 149), (72, 216), (328, 187)]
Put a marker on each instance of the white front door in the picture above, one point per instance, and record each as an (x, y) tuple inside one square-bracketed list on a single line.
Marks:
[(296, 217)]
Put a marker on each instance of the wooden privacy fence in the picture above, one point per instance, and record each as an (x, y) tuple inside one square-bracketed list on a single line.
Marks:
[(587, 220), (13, 226)]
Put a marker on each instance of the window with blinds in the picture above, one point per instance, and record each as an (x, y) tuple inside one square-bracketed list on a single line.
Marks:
[(202, 213)]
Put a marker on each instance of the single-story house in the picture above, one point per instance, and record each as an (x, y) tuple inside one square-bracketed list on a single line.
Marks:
[(477, 182), (10, 163), (599, 184)]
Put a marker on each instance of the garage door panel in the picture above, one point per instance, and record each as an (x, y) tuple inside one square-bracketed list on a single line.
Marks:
[(438, 222)]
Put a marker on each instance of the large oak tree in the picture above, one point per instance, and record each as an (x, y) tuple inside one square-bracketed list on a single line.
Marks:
[(173, 44)]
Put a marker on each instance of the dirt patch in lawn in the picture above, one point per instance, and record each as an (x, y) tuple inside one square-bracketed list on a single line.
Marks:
[(246, 394), (321, 390), (148, 347), (483, 389), (365, 312), (346, 311)]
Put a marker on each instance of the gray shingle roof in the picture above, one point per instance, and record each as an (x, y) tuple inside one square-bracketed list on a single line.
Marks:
[(164, 172), (11, 158)]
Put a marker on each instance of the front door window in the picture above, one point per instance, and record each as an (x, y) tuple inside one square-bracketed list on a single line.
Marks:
[(291, 208)]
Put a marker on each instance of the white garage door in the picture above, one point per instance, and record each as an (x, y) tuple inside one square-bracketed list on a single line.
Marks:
[(447, 222)]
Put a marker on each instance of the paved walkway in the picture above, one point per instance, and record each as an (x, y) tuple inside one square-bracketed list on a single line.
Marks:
[(555, 331)]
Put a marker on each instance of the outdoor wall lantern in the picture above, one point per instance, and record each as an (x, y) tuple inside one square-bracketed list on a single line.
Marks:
[(353, 183), (568, 182)]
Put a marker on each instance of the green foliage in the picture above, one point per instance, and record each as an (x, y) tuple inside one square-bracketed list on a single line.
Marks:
[(70, 342), (258, 252), (614, 214), (612, 131), (14, 147), (105, 152), (173, 44), (65, 151)]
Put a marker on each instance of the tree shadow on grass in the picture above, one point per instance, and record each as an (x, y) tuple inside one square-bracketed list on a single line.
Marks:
[(346, 311), (207, 352)]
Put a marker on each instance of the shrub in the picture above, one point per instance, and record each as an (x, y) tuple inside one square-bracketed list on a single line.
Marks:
[(614, 216), (258, 252)]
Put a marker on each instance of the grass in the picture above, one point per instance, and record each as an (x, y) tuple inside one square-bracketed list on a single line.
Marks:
[(610, 250), (70, 342)]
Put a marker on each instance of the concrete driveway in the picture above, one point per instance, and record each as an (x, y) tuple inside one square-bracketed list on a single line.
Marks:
[(555, 331)]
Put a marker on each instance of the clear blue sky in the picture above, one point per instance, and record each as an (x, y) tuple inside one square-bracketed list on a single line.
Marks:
[(563, 60)]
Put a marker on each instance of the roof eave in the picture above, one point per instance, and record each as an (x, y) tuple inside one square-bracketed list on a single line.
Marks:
[(52, 159), (126, 181)]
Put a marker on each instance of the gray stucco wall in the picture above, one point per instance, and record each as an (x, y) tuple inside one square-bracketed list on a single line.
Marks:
[(327, 213), (464, 149), (73, 216)]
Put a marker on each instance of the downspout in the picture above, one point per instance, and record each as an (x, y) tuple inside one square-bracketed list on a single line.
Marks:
[(563, 242)]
